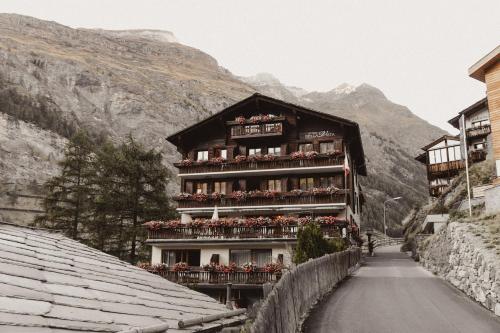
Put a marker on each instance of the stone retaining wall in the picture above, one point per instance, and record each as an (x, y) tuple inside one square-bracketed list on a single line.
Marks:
[(462, 257), (286, 306)]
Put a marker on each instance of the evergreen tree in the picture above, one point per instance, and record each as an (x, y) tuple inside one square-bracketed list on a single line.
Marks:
[(310, 243), (69, 196), (139, 190)]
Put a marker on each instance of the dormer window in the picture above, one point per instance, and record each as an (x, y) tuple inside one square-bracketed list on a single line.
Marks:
[(202, 155)]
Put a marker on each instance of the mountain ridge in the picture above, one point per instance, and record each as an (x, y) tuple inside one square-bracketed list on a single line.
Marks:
[(64, 79)]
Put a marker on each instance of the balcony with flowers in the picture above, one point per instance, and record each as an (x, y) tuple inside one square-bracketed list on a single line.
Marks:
[(262, 163), (217, 274), (278, 227), (262, 198), (262, 125)]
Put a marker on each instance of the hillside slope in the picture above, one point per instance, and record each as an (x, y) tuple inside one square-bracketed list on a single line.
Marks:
[(143, 82)]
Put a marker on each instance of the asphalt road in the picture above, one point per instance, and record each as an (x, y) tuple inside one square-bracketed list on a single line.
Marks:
[(392, 293)]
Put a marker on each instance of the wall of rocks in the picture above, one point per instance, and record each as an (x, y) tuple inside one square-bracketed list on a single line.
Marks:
[(287, 305), (459, 254)]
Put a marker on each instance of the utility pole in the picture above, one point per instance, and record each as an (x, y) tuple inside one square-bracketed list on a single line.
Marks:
[(466, 156), (388, 200)]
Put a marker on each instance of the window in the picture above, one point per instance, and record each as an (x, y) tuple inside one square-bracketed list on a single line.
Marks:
[(432, 159), (274, 150), (306, 183), (479, 146), (202, 155), (444, 155), (480, 123), (272, 128), (220, 187), (331, 181), (254, 151), (326, 147), (258, 257), (305, 147), (451, 153), (274, 185), (220, 153), (171, 257), (201, 188), (252, 129), (458, 153)]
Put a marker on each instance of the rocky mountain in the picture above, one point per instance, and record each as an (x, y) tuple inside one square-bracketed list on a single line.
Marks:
[(55, 79)]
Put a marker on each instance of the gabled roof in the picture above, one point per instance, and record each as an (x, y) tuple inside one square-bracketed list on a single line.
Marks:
[(478, 70), (50, 283), (438, 140), (174, 138), (422, 158), (483, 103)]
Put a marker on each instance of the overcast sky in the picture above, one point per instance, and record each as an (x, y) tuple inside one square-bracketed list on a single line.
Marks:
[(416, 52)]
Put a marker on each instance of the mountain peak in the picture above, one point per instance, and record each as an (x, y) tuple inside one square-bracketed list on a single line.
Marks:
[(344, 88), (163, 36), (263, 79)]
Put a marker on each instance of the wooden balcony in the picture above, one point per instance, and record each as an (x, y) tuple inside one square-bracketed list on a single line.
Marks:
[(279, 162), (478, 131), (197, 275), (446, 168), (477, 155), (237, 232), (286, 198)]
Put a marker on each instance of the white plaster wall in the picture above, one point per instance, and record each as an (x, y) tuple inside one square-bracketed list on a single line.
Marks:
[(206, 254)]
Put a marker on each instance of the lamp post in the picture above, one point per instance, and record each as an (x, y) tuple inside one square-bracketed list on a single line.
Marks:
[(388, 200)]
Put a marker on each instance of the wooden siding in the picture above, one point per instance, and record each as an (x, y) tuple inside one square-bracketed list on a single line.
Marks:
[(492, 79)]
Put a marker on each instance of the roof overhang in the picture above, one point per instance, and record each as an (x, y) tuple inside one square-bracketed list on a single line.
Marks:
[(435, 142), (455, 121), (478, 70)]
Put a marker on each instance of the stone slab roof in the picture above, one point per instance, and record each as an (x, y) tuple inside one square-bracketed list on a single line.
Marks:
[(52, 284)]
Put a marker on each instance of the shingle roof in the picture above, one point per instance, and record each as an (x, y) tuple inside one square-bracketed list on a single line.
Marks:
[(50, 283)]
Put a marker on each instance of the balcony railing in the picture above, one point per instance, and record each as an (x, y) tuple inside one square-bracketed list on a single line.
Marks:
[(197, 275), (453, 166), (278, 163), (238, 232), (478, 131), (282, 199), (477, 155)]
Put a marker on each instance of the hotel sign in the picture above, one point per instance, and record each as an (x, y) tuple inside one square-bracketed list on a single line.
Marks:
[(320, 134)]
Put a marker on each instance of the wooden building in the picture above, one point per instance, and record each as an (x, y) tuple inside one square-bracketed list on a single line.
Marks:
[(487, 70), (477, 130), (250, 176), (443, 160)]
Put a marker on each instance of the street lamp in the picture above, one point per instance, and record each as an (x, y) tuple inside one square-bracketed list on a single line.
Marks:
[(388, 200)]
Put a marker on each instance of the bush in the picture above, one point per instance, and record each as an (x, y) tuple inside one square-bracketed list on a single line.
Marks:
[(311, 244)]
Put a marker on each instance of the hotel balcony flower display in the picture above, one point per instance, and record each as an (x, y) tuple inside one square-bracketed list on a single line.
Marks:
[(181, 267), (273, 268), (248, 267)]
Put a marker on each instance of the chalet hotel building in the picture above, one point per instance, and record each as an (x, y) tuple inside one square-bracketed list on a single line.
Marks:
[(250, 176)]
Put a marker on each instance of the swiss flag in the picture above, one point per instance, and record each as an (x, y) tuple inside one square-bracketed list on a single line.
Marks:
[(347, 170)]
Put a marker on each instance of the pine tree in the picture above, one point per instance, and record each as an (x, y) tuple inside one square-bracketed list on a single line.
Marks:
[(140, 181), (69, 196)]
